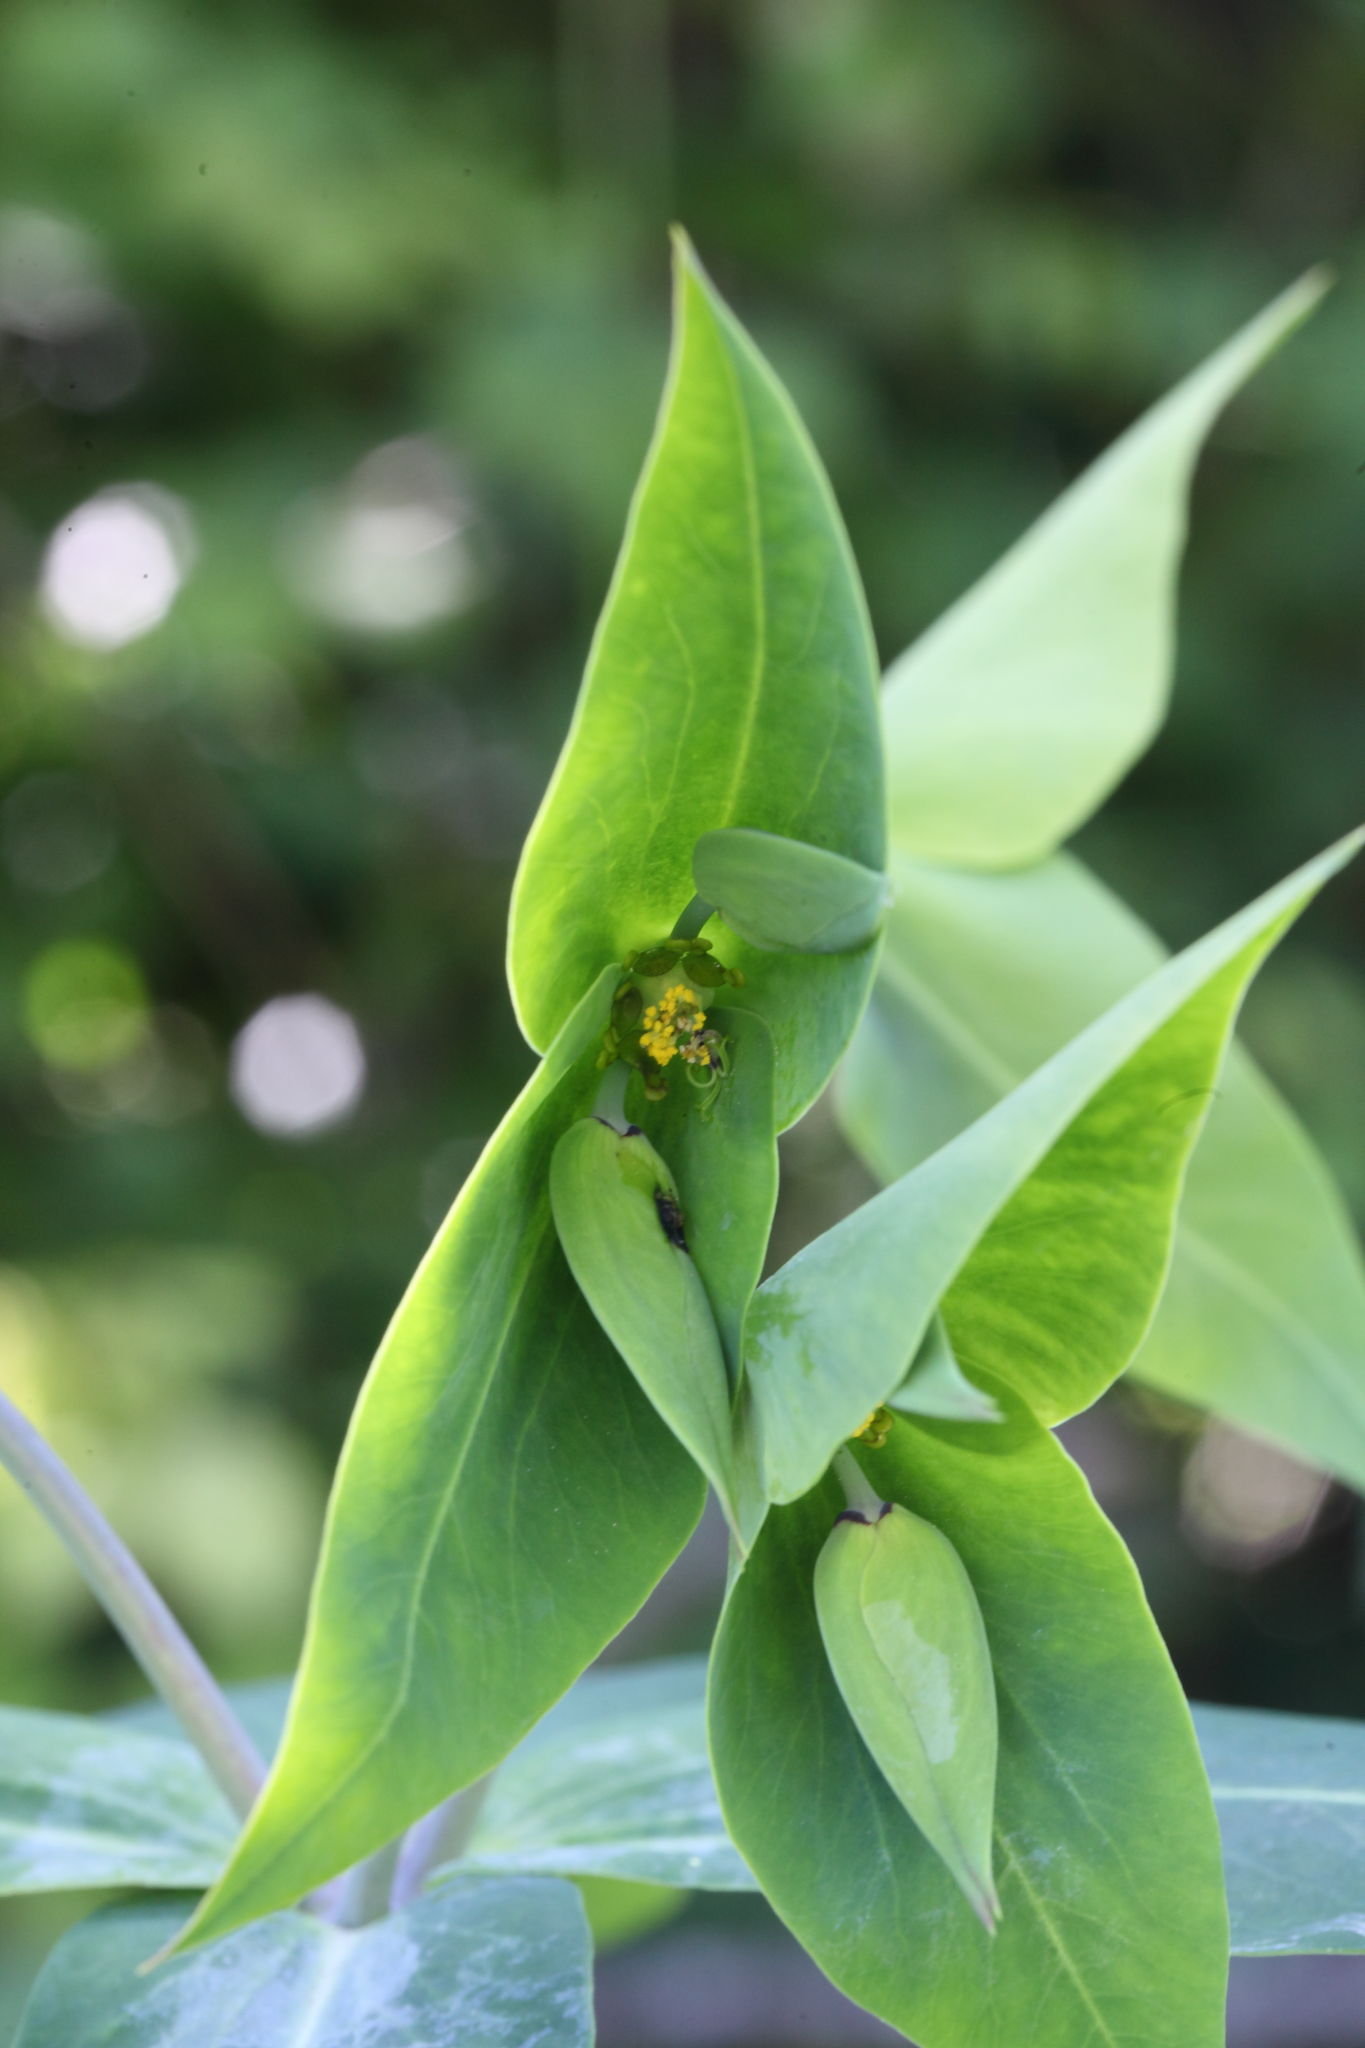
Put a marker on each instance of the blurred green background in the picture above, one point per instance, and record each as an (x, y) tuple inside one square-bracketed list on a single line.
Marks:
[(329, 342)]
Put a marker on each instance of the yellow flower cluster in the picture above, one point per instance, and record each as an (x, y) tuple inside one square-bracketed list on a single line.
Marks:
[(875, 1430), (674, 1025)]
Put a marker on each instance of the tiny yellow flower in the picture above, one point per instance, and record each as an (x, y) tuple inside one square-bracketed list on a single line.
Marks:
[(874, 1429), (673, 1025)]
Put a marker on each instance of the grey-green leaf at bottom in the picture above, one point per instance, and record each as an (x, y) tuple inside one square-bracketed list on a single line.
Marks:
[(905, 1641), (488, 1963), (1113, 1927), (1290, 1791)]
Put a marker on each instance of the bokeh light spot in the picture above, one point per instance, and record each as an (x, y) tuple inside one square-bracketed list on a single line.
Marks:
[(298, 1066), (113, 567), (85, 1004)]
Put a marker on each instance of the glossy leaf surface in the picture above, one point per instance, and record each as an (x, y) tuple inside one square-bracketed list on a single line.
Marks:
[(983, 978), (1112, 1929), (486, 1964), (1050, 1219), (781, 893), (621, 1226), (905, 1641), (1290, 1792), (732, 681), (1012, 718), (86, 1804), (474, 1560), (615, 1782)]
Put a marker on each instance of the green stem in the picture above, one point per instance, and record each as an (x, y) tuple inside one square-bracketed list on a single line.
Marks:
[(136, 1609), (610, 1105), (439, 1837), (363, 1893), (862, 1498), (698, 913)]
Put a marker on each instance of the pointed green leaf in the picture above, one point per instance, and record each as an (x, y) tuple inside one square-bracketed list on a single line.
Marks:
[(506, 1499), (1290, 1792), (1017, 712), (623, 1232), (983, 978), (1112, 1929), (485, 1963), (86, 1804), (1050, 1218), (724, 1158), (732, 681), (780, 893), (905, 1641), (937, 1385), (615, 1783)]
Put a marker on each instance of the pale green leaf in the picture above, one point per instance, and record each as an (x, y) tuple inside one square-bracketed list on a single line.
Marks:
[(506, 1499), (780, 893), (1062, 1198), (1112, 1931), (983, 978), (1013, 717), (936, 1384), (732, 681), (1290, 1792), (904, 1637), (614, 1783), (86, 1804), (488, 1964), (622, 1229)]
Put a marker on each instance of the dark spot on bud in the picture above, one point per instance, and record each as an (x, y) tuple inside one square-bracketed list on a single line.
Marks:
[(670, 1219)]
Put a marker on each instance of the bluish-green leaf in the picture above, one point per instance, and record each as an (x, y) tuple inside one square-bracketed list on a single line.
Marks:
[(732, 682), (615, 1782), (1013, 717), (622, 1229), (506, 1499), (1112, 1927), (904, 1637), (488, 1963), (1046, 1224), (1290, 1792), (984, 977), (782, 894), (86, 1804), (936, 1384)]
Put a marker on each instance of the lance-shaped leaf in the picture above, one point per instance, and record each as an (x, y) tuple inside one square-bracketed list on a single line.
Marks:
[(1049, 1219), (781, 894), (723, 1155), (983, 977), (623, 1231), (732, 681), (905, 1641), (1017, 712), (937, 1385), (1112, 1927), (484, 1963), (506, 1499), (88, 1804), (1290, 1792), (615, 1782)]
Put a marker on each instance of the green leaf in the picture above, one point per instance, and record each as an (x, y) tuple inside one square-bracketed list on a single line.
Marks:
[(905, 1641), (1290, 1792), (483, 1963), (614, 1783), (937, 1385), (1112, 1929), (782, 894), (984, 977), (1049, 1219), (506, 1499), (725, 1162), (619, 1912), (1017, 712), (621, 1225), (85, 1804), (732, 681)]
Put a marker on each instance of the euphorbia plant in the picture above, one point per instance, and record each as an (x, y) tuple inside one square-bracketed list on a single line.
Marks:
[(946, 1738)]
